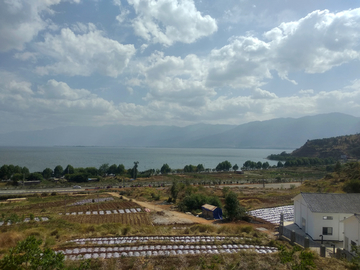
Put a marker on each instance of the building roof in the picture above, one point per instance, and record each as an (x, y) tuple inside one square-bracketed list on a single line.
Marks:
[(332, 202), (209, 207), (354, 217)]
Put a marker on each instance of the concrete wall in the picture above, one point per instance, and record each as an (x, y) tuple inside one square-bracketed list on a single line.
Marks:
[(351, 231)]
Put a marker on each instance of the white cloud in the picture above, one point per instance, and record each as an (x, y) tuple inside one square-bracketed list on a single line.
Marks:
[(21, 21), (170, 21), (26, 56), (263, 94), (84, 54), (175, 80), (243, 63), (55, 103), (314, 44), (317, 42), (306, 92)]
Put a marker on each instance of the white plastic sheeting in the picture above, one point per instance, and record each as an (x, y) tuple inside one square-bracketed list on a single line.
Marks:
[(108, 212), (82, 202), (138, 239), (273, 214), (26, 220)]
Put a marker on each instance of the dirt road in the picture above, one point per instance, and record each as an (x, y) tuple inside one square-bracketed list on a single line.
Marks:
[(162, 215)]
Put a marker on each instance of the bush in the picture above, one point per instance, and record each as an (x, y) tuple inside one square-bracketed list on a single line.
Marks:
[(195, 201), (28, 253)]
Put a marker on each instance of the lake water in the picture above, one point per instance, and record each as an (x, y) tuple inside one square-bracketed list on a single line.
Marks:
[(39, 158)]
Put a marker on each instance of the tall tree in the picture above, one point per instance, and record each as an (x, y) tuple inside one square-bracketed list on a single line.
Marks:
[(165, 169), (113, 169), (223, 166), (135, 170), (200, 168), (121, 169), (103, 169), (235, 167), (69, 170), (233, 208), (47, 173), (58, 171), (25, 171)]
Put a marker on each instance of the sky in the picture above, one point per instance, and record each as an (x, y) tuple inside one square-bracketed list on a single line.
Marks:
[(175, 62)]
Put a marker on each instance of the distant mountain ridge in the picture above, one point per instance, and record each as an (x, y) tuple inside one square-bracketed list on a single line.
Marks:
[(280, 133)]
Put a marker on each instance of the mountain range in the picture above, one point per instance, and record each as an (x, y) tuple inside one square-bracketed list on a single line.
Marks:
[(280, 133)]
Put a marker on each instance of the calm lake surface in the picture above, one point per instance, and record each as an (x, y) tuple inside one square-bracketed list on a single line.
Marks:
[(39, 158)]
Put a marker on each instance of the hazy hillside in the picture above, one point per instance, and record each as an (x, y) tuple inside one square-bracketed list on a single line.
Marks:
[(279, 133), (331, 147), (283, 132), (127, 136)]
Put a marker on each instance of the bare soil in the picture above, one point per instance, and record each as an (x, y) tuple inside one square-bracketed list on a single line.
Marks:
[(162, 215)]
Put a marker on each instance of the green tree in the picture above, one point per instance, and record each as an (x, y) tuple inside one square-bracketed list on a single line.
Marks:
[(17, 177), (200, 168), (78, 177), (174, 190), (235, 167), (69, 170), (258, 165), (103, 169), (58, 171), (234, 210), (17, 169), (25, 171), (165, 169), (47, 173), (224, 166), (92, 171), (35, 176), (265, 165), (28, 255), (121, 169), (135, 170), (4, 172), (113, 169), (279, 164)]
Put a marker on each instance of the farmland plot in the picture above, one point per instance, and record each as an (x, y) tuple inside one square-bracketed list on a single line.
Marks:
[(103, 206), (116, 247), (130, 219)]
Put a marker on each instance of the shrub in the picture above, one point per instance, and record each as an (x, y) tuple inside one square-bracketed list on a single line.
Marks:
[(195, 201), (28, 253)]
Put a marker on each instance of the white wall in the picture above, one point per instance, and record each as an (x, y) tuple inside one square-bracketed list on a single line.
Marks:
[(335, 223), (351, 231)]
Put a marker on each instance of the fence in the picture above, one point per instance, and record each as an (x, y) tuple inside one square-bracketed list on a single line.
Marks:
[(297, 238)]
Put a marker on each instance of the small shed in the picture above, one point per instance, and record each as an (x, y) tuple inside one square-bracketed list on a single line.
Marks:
[(211, 211)]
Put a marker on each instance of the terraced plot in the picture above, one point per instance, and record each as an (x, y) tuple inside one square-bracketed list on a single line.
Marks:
[(187, 246), (130, 219), (103, 206), (273, 214)]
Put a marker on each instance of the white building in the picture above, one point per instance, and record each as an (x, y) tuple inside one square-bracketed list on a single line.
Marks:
[(351, 231), (321, 213)]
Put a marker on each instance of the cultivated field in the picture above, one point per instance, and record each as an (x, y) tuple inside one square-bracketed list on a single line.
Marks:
[(137, 219)]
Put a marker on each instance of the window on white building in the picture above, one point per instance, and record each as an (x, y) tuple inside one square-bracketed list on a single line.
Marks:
[(327, 230), (327, 218)]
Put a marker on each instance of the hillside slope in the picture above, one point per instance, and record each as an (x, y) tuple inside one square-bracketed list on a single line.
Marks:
[(331, 147)]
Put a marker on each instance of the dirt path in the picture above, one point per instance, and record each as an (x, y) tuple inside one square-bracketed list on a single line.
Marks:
[(164, 216)]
